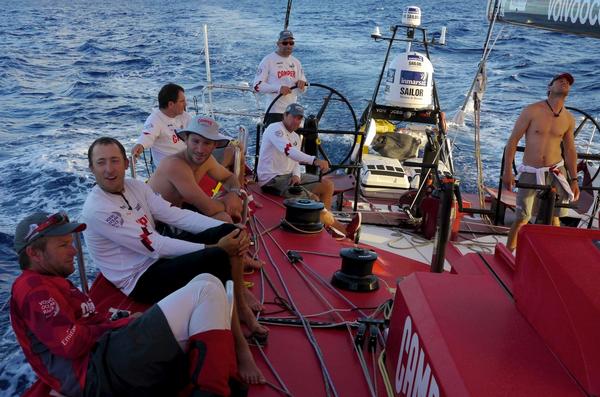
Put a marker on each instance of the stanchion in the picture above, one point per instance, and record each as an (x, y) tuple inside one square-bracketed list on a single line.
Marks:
[(444, 225)]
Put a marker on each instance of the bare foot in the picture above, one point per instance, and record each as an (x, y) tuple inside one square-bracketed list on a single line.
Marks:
[(247, 368), (247, 318), (252, 264), (252, 301)]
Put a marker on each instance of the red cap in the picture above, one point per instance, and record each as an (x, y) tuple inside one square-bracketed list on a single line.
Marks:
[(567, 76)]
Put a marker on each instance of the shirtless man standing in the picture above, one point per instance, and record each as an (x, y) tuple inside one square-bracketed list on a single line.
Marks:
[(545, 124)]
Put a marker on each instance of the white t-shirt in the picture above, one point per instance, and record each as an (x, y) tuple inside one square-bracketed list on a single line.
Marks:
[(280, 153), (121, 235), (159, 134), (275, 71)]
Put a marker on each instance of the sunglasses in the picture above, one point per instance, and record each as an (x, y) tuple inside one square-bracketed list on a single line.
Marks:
[(56, 219), (287, 43)]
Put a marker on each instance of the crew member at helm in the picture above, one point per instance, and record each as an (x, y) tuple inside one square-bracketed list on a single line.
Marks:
[(279, 169), (277, 73)]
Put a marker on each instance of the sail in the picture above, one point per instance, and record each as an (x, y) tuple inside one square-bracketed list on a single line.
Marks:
[(580, 17)]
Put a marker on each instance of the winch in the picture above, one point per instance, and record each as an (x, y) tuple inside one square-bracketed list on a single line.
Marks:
[(356, 273), (302, 215)]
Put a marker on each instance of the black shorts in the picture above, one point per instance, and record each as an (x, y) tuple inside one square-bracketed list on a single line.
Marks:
[(141, 359), (168, 275)]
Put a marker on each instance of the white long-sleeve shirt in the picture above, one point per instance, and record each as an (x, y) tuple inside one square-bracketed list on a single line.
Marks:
[(275, 71), (121, 235), (159, 134), (280, 153)]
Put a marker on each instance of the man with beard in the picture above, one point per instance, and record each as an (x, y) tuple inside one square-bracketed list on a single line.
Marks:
[(548, 130), (279, 169), (176, 179), (77, 351)]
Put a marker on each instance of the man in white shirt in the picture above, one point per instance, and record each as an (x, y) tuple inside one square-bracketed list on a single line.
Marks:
[(277, 73), (121, 237), (279, 168), (159, 132)]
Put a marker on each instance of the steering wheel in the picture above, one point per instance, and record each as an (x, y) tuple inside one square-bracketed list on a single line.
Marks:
[(586, 117), (311, 130)]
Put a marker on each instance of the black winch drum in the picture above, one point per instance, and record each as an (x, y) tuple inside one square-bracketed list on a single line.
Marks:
[(302, 215), (356, 273)]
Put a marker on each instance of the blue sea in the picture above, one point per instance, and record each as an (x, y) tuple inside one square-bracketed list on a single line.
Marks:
[(72, 71)]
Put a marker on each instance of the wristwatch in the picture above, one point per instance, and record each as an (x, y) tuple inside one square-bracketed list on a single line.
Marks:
[(573, 179), (240, 192)]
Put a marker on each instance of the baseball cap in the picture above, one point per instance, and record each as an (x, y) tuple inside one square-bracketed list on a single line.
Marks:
[(567, 76), (42, 224), (206, 128), (285, 34), (295, 109)]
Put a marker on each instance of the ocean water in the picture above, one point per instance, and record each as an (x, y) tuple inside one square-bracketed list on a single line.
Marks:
[(73, 71)]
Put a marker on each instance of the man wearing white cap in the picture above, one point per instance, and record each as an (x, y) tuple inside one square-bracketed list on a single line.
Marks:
[(279, 168), (277, 73), (77, 351), (176, 178), (548, 130)]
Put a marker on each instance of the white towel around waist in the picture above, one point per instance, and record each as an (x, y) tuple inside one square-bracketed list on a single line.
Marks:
[(540, 175)]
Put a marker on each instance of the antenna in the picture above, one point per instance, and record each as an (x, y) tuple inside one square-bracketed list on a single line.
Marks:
[(287, 15)]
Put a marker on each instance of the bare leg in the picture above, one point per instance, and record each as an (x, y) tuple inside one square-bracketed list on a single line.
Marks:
[(223, 216), (245, 313), (329, 220), (252, 301), (251, 263), (511, 241), (555, 221), (247, 367), (324, 190)]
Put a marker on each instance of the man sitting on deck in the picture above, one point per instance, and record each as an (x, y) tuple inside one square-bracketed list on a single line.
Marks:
[(160, 128), (546, 125), (76, 351), (121, 215), (279, 168), (177, 178)]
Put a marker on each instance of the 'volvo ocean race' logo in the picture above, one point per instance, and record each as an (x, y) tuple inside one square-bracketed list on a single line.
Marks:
[(408, 77), (583, 12), (413, 373)]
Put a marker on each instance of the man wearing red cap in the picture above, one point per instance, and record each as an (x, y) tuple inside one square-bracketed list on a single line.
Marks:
[(545, 124)]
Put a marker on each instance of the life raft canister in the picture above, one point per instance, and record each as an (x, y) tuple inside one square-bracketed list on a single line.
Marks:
[(409, 82)]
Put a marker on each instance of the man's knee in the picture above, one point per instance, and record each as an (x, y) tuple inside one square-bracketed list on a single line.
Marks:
[(328, 184), (324, 188), (209, 289), (206, 279)]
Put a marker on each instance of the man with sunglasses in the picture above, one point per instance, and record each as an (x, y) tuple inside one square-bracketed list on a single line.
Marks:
[(77, 351), (277, 73), (122, 240), (279, 170)]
